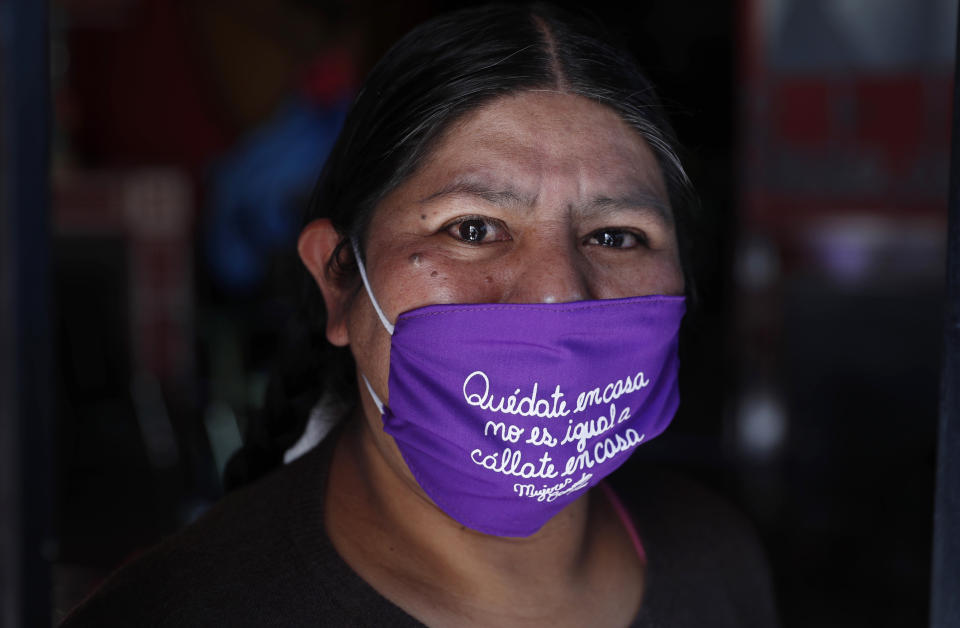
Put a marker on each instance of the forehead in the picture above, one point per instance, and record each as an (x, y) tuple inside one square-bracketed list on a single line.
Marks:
[(548, 143)]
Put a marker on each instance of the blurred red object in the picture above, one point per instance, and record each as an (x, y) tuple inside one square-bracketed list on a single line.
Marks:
[(152, 211)]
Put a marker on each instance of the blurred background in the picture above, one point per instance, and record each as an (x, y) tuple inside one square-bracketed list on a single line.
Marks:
[(185, 136)]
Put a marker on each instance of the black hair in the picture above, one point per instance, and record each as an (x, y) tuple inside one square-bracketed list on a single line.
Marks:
[(433, 76)]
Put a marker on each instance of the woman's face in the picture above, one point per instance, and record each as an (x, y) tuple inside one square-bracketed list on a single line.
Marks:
[(538, 197)]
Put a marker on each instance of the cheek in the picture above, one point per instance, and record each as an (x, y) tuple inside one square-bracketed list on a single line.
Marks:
[(665, 276), (369, 343), (424, 281), (658, 274), (430, 278)]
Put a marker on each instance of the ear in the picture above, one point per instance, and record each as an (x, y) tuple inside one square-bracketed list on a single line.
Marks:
[(317, 244)]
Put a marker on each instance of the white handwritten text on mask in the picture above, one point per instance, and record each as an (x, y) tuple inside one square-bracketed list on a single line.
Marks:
[(596, 440)]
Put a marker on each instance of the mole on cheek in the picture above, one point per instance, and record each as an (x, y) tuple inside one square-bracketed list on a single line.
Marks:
[(433, 274), (423, 216), (488, 279)]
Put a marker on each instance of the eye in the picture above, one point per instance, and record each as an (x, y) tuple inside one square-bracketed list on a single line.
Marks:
[(476, 230), (472, 230), (615, 239)]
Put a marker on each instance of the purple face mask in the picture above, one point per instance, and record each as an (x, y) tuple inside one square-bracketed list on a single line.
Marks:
[(505, 413)]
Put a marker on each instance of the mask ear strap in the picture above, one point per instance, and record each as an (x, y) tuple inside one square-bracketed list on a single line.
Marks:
[(383, 319), (373, 395), (366, 284)]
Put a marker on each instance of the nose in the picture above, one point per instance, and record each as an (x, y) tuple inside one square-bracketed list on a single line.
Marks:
[(549, 273)]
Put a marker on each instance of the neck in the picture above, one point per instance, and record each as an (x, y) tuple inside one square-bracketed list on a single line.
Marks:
[(398, 540)]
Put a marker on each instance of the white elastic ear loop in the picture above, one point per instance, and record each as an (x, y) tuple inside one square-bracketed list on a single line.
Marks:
[(383, 319), (366, 284), (373, 395)]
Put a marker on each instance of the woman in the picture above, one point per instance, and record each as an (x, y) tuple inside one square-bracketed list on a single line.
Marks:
[(499, 239)]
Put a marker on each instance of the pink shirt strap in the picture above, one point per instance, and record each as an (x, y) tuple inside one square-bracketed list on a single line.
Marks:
[(625, 519)]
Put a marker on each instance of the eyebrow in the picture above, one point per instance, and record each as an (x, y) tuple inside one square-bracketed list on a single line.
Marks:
[(640, 199), (504, 196)]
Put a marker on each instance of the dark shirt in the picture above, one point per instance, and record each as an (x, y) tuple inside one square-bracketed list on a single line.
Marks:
[(260, 557)]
